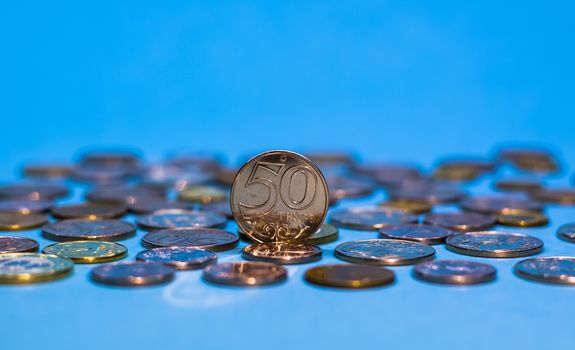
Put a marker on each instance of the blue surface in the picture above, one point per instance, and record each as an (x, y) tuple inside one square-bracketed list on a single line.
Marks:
[(392, 80)]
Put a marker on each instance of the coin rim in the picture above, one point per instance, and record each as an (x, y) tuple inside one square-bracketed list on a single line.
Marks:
[(43, 277), (110, 238), (240, 282), (213, 247), (413, 218), (427, 241), (92, 259), (455, 279), (382, 262), (349, 284), (315, 255), (127, 281), (33, 249), (494, 254), (538, 278), (181, 265)]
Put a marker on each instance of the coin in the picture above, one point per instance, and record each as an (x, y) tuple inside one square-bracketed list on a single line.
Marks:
[(279, 196), (530, 159), (327, 233), (494, 244), (47, 170), (24, 206), (173, 218), (425, 234), (245, 274), (409, 206), (349, 276), (222, 208), (101, 176), (427, 192), (33, 191), (202, 194), (518, 184), (551, 269), (165, 177), (17, 245), (564, 196), (196, 161), (463, 221), (93, 230), (384, 252), (341, 187), (17, 268), (91, 211), (133, 273), (17, 221), (369, 218), (226, 176), (388, 175), (495, 205), (204, 238), (454, 272), (111, 157), (566, 232), (331, 157), (150, 205), (182, 258), (521, 218), (124, 195), (282, 253), (87, 252)]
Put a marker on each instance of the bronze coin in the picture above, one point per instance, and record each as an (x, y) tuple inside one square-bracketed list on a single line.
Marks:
[(369, 218), (282, 253), (245, 274), (521, 218), (91, 211), (101, 176), (17, 245), (17, 221), (384, 252), (33, 191), (88, 230), (427, 192), (202, 194), (133, 273), (518, 184), (124, 195), (388, 175), (495, 205), (425, 234), (111, 157), (564, 196), (203, 238), (494, 244), (408, 206), (349, 276), (463, 221), (173, 218)]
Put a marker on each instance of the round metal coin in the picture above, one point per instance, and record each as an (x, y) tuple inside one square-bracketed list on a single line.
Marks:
[(91, 211), (204, 238), (16, 268), (341, 187), (87, 252), (425, 234), (33, 191), (25, 206), (463, 221), (17, 221), (133, 273), (518, 185), (92, 230), (327, 233), (494, 244), (349, 276), (409, 206), (566, 232), (174, 218), (150, 205), (521, 218), (454, 272), (495, 205), (17, 245), (202, 194), (564, 196), (552, 269), (182, 258), (384, 252), (282, 253), (245, 274), (369, 218)]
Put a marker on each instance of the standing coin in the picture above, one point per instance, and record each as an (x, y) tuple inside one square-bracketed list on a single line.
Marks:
[(282, 253), (460, 221), (521, 218), (91, 211), (133, 273), (279, 196), (495, 205), (425, 234), (17, 221), (17, 245), (245, 274), (16, 268), (87, 252), (349, 276), (551, 269), (93, 230), (494, 244), (384, 252), (175, 218), (369, 218), (182, 258), (204, 238), (566, 232), (454, 272)]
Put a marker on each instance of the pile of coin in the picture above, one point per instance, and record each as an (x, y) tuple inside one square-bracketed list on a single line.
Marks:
[(280, 202)]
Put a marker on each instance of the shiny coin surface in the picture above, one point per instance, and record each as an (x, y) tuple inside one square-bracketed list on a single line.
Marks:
[(182, 258), (369, 218), (33, 191), (518, 185), (204, 238), (245, 274), (494, 244), (93, 230), (566, 232), (425, 234), (202, 194), (521, 218), (150, 205), (349, 276), (341, 187), (16, 268), (495, 205), (91, 211), (87, 252), (552, 269), (384, 252), (454, 272), (17, 245), (463, 221), (279, 196), (174, 218), (17, 221), (564, 196), (327, 233), (25, 206), (409, 206), (133, 273), (282, 253)]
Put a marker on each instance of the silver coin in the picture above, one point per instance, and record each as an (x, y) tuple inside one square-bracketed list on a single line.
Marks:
[(384, 252), (552, 269), (454, 272), (369, 218), (566, 232), (463, 221), (282, 253), (495, 205), (203, 238), (88, 230), (182, 258), (133, 273), (426, 234), (174, 218), (494, 244)]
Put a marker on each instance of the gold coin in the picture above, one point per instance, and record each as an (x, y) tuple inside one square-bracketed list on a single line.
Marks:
[(202, 194), (87, 252), (521, 218), (349, 276), (279, 196), (18, 221), (409, 206), (16, 268)]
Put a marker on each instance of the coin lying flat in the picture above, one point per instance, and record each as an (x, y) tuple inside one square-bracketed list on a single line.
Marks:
[(566, 232), (24, 206), (495, 205), (52, 171), (460, 221), (341, 187), (90, 211), (125, 195), (92, 230), (409, 206), (245, 274), (384, 252), (327, 233), (521, 218), (369, 218), (282, 253), (181, 258), (434, 194), (454, 272), (174, 218), (110, 157), (564, 196), (494, 244), (425, 234), (279, 196), (17, 221), (349, 276), (33, 191), (87, 252), (150, 205), (518, 185), (17, 245), (389, 175), (552, 269), (202, 194), (203, 238), (16, 268), (133, 273), (222, 208)]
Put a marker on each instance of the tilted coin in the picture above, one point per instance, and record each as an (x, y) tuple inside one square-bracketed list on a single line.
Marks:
[(25, 206), (456, 173), (349, 276), (463, 221), (566, 232), (90, 211), (495, 205), (369, 218), (33, 191), (426, 234), (150, 205), (341, 187), (47, 170), (17, 268), (222, 208), (133, 273), (530, 159), (518, 184), (521, 218), (549, 269), (10, 244), (87, 252), (279, 196), (454, 272), (384, 252), (182, 258), (93, 230), (282, 253), (564, 196), (202, 194), (17, 221), (409, 206), (204, 238), (173, 218), (494, 244), (245, 274)]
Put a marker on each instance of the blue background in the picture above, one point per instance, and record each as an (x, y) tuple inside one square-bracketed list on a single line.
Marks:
[(392, 80)]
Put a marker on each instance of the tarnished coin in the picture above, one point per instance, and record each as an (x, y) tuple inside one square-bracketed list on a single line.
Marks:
[(10, 244), (173, 218), (25, 206), (33, 191), (349, 276), (495, 205), (369, 218), (91, 211), (17, 268), (564, 196), (87, 252), (202, 194), (52, 171), (521, 218), (341, 187), (17, 221), (282, 253), (454, 272), (384, 252), (222, 208), (204, 238), (425, 234), (549, 269), (92, 230), (182, 258), (150, 205), (409, 206), (566, 232), (245, 274), (463, 221), (279, 196), (423, 191), (133, 273), (494, 244), (518, 184)]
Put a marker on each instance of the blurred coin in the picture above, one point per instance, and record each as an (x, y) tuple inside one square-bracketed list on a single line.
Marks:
[(282, 253), (47, 170), (91, 211), (17, 245), (173, 218), (331, 157), (181, 258), (529, 159), (462, 221), (245, 274), (388, 175), (202, 194), (87, 252), (477, 164), (196, 161), (222, 208), (133, 273), (555, 195), (518, 184), (551, 269), (341, 187), (165, 177), (17, 221), (454, 272), (458, 172), (33, 191), (203, 238), (24, 206), (409, 206), (384, 252), (494, 244), (425, 192), (327, 233), (101, 176), (124, 195), (17, 268), (521, 218), (425, 234), (566, 232), (369, 218), (349, 276), (93, 230), (495, 205), (226, 176), (110, 157), (150, 205)]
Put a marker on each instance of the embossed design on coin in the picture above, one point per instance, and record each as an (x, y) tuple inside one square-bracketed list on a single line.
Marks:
[(16, 268), (454, 272), (494, 244), (174, 218), (425, 234), (566, 232), (384, 252), (245, 274), (460, 221), (369, 218), (282, 252), (17, 221), (204, 238), (17, 245), (182, 258), (495, 205), (93, 230), (90, 211), (133, 273), (552, 269), (349, 276), (521, 218), (87, 252)]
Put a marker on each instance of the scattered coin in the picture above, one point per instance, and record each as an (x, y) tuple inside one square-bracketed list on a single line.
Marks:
[(454, 272), (369, 218), (426, 192), (341, 187), (245, 274), (552, 269), (181, 258), (530, 159), (202, 194), (420, 233), (521, 218), (91, 211), (222, 208), (388, 175), (101, 176), (349, 276), (93, 230), (111, 157), (518, 184), (463, 221), (564, 196), (133, 273), (33, 191), (566, 232), (495, 205), (87, 252), (18, 268), (204, 238), (327, 233), (17, 245), (384, 252), (409, 206), (17, 221), (150, 205), (282, 253), (25, 206), (165, 177), (47, 170), (124, 195), (174, 218), (494, 244), (331, 157)]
